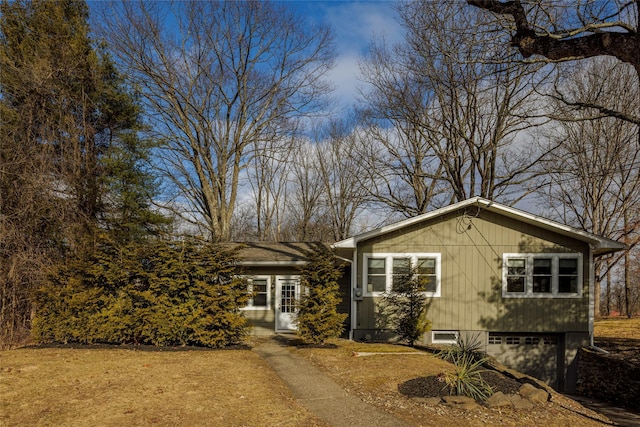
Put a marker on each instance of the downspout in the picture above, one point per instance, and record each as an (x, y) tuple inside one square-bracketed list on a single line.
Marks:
[(592, 293), (354, 303), (592, 303)]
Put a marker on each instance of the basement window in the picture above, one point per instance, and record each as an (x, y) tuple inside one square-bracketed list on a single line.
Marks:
[(444, 337)]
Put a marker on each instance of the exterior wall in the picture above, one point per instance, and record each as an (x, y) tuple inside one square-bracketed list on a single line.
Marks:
[(471, 279), (573, 343), (263, 321), (345, 293), (471, 301)]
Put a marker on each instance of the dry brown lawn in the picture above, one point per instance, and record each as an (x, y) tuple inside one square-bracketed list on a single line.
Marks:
[(115, 386), (143, 387), (617, 327), (375, 379)]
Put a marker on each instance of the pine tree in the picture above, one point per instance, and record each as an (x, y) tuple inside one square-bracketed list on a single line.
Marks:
[(405, 306), (317, 310), (72, 162)]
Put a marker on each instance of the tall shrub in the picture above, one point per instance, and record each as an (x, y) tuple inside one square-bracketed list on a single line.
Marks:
[(318, 318), (159, 293)]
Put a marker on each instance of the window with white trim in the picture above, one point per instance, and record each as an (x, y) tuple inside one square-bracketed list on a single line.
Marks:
[(557, 275), (444, 337), (382, 269), (260, 289)]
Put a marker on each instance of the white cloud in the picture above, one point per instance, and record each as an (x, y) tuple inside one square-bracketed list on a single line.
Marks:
[(356, 24)]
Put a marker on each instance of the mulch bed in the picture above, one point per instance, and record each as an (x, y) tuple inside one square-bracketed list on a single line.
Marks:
[(433, 387)]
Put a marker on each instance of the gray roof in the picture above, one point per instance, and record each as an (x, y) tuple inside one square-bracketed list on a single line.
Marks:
[(275, 253)]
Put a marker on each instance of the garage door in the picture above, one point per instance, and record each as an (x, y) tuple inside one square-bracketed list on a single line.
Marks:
[(531, 354)]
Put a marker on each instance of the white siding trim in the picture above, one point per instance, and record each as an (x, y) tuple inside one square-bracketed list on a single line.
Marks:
[(389, 256)]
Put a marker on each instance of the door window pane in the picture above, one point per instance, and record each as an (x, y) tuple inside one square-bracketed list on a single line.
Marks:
[(288, 298)]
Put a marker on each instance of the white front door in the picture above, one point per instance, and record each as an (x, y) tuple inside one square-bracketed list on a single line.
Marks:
[(287, 293)]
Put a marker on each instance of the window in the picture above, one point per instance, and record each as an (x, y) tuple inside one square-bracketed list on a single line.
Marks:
[(377, 275), (401, 269), (516, 274), (381, 271), (568, 276), (261, 293), (512, 340), (426, 269), (444, 337), (495, 339), (542, 275), (521, 339)]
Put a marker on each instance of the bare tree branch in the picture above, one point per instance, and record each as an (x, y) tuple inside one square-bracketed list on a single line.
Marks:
[(622, 42)]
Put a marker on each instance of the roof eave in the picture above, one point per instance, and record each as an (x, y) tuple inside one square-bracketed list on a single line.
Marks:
[(601, 245)]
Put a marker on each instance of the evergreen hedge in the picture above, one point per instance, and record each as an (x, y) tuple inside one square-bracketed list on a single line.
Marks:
[(317, 316), (166, 293)]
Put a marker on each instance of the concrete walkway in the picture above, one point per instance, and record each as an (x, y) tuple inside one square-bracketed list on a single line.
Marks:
[(319, 393), (620, 416)]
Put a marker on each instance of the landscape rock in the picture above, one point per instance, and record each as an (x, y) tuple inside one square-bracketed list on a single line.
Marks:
[(498, 400), (429, 401), (519, 403), (533, 394), (460, 402)]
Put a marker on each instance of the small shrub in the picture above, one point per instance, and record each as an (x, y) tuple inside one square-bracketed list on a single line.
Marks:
[(468, 358), (469, 345), (466, 379), (406, 306)]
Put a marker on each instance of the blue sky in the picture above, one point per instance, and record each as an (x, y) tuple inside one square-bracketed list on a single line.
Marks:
[(355, 24)]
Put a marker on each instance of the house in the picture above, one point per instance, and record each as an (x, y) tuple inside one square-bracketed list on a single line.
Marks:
[(273, 272), (519, 284)]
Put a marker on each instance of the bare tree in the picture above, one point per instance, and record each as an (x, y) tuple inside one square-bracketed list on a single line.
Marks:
[(217, 77), (447, 109), (305, 206), (340, 171), (561, 31), (594, 177), (268, 178)]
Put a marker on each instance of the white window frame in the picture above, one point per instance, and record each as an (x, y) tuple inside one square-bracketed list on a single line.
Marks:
[(555, 265), (388, 257), (250, 305), (444, 341)]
